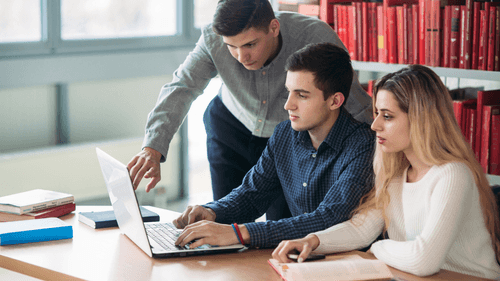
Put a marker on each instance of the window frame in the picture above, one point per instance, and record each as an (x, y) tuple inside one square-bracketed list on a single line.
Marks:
[(52, 44)]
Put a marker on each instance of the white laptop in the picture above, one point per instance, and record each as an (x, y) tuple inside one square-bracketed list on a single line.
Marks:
[(156, 239)]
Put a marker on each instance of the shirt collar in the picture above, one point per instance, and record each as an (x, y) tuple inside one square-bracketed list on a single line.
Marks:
[(341, 129)]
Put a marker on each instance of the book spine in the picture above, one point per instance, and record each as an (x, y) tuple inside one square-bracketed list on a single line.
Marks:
[(455, 36), (461, 63), (475, 35), (422, 31), (494, 165), (326, 11), (57, 212), (485, 33), (409, 27), (380, 31), (447, 34), (353, 50), (436, 34), (365, 45), (472, 127), (482, 39), (468, 34), (400, 32), (359, 30), (415, 42), (37, 235), (374, 34), (485, 138), (491, 40), (497, 40), (428, 32), (405, 33), (336, 19), (391, 30)]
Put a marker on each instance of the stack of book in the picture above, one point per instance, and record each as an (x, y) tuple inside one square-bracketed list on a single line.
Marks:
[(35, 204), (448, 33)]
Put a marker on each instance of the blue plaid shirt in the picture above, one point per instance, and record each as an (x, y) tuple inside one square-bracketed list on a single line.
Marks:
[(321, 187)]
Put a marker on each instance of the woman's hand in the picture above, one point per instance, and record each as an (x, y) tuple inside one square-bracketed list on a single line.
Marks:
[(304, 246)]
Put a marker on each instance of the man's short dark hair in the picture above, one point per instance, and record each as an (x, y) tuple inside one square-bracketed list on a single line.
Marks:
[(330, 64), (235, 16)]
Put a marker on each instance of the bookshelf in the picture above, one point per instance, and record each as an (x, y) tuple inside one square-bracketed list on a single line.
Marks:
[(440, 71)]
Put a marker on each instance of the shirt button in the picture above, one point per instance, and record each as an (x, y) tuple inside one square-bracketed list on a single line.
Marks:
[(304, 184), (314, 155), (263, 73), (264, 102)]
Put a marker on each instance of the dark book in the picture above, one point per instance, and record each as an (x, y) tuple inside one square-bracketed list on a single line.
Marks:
[(497, 40), (490, 97), (455, 36), (491, 39), (48, 229), (447, 34), (494, 165), (107, 218), (475, 34), (488, 112), (484, 34), (483, 40)]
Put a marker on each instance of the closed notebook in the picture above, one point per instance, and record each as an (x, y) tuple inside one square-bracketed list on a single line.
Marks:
[(48, 229), (107, 218)]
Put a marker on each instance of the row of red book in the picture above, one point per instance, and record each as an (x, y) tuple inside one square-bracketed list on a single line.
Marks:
[(447, 33), (479, 120), (35, 204)]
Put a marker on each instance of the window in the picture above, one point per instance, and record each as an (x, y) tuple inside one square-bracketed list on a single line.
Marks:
[(94, 19), (204, 12), (20, 21)]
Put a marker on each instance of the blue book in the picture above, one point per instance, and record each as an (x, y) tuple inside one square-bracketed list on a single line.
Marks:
[(105, 219), (48, 229)]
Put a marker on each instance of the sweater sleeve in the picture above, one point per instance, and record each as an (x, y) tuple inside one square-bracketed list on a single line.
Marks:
[(450, 202), (350, 235)]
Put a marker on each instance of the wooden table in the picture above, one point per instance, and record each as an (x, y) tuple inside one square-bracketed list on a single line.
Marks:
[(106, 254)]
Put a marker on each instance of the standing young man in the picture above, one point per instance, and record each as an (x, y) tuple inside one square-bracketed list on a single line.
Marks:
[(247, 45), (321, 159)]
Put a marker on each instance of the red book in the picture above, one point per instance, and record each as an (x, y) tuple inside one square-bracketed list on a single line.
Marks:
[(468, 34), (409, 26), (484, 35), (381, 47), (365, 45), (468, 106), (494, 165), (371, 83), (447, 34), (326, 11), (472, 114), (352, 31), (359, 29), (491, 40), (53, 212), (476, 19), (459, 108), (491, 97), (405, 34), (455, 36), (488, 111), (461, 60), (391, 33), (436, 34), (428, 32), (400, 31), (483, 39), (336, 19), (415, 41), (497, 40), (421, 31), (345, 24)]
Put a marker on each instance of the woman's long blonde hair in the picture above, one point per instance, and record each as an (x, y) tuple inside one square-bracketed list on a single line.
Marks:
[(435, 137)]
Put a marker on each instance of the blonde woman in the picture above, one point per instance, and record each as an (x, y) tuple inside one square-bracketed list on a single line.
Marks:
[(430, 195)]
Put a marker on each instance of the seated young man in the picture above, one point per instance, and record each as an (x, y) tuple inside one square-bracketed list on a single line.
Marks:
[(321, 159)]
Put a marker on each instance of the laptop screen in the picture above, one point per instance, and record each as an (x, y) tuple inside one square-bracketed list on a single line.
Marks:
[(122, 196)]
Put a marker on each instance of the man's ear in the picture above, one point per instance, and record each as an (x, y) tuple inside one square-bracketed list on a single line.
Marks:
[(274, 27), (336, 100)]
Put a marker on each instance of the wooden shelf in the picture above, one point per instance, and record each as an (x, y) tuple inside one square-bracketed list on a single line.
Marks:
[(441, 71)]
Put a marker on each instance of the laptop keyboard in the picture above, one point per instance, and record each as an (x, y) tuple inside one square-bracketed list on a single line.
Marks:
[(165, 234)]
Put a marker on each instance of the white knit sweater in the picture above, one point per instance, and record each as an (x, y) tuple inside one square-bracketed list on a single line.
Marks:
[(435, 223)]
